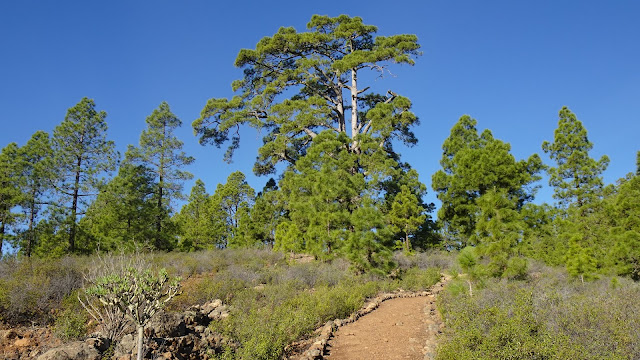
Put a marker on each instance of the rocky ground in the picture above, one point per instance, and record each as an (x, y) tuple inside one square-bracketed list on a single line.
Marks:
[(183, 335)]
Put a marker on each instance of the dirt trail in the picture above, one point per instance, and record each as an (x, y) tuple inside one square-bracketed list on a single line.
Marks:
[(401, 328)]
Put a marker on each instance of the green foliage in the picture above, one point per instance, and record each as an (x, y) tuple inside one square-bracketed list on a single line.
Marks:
[(36, 177), (123, 215), (230, 206), (265, 215), (196, 221), (498, 232), (580, 260), (320, 69), (406, 214), (577, 178), (625, 230), (550, 317), (160, 152), (468, 259), (71, 322), (472, 165), (82, 154), (9, 189)]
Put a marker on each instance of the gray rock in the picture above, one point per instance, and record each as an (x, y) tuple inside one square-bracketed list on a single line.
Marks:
[(77, 350)]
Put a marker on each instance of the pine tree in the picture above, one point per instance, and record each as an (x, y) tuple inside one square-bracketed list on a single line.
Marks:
[(472, 165), (196, 221), (37, 173), (624, 212), (498, 232), (322, 194), (318, 72), (580, 260), (82, 154), (230, 203), (266, 214), (576, 179), (406, 214), (122, 216), (10, 195), (161, 151), (332, 209)]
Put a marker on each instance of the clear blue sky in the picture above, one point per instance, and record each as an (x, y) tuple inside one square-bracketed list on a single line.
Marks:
[(510, 64)]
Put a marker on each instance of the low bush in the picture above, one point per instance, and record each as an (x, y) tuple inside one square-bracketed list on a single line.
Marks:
[(547, 317)]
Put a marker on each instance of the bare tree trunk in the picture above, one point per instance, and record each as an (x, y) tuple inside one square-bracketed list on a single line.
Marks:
[(1, 235), (74, 207), (407, 243), (32, 215), (354, 110), (159, 215)]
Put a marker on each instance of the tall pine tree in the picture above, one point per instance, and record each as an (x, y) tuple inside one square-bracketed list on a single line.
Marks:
[(123, 215), (82, 155), (37, 174), (576, 178), (196, 222), (472, 165), (161, 151), (10, 195)]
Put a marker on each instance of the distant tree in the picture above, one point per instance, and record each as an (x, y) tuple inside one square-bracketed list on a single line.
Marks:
[(407, 214), (624, 213), (472, 165), (196, 221), (123, 215), (580, 260), (638, 163), (541, 239), (161, 151), (266, 214), (229, 204), (577, 177), (82, 154), (10, 195), (498, 231), (37, 174)]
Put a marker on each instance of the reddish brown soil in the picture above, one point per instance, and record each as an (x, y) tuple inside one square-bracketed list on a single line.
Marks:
[(402, 328)]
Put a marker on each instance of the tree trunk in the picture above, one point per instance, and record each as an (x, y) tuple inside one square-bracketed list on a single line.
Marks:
[(407, 243), (159, 215), (354, 110), (1, 236), (74, 208), (140, 341), (32, 215)]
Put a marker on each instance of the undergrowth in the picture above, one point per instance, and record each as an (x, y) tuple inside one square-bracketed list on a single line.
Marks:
[(547, 316), (273, 301)]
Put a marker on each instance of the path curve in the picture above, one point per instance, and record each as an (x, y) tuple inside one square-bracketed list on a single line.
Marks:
[(401, 325)]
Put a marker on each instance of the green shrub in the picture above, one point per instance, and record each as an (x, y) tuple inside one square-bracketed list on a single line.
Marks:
[(548, 317), (71, 321), (71, 325)]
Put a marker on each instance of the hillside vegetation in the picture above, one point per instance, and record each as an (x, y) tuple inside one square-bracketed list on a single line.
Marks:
[(341, 194)]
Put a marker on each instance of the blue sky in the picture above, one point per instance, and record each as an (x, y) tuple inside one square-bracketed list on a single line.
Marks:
[(509, 64)]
